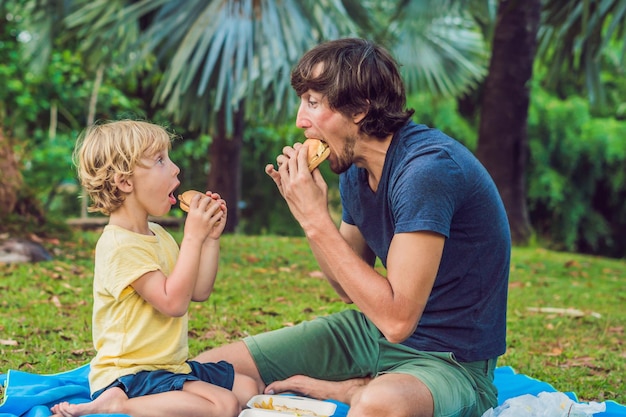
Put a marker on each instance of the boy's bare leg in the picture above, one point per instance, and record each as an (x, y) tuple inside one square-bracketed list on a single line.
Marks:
[(238, 355), (198, 398), (108, 402), (244, 388)]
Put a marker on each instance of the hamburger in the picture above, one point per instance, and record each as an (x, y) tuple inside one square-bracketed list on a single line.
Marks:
[(185, 199), (318, 152)]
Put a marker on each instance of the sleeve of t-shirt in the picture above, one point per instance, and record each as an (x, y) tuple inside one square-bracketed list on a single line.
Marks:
[(126, 264), (425, 193), (345, 214)]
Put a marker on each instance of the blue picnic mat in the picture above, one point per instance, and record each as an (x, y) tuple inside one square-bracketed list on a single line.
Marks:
[(31, 395)]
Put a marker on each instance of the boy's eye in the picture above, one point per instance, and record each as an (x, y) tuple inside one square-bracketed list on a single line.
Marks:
[(160, 160)]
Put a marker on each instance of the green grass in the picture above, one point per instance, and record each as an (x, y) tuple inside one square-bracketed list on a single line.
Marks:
[(585, 354), (270, 282)]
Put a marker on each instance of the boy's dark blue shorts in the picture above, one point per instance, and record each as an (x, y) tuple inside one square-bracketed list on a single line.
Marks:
[(143, 383)]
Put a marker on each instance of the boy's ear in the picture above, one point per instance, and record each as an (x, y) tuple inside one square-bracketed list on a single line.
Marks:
[(123, 183)]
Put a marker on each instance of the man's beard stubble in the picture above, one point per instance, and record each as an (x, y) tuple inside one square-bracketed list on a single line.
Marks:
[(346, 159)]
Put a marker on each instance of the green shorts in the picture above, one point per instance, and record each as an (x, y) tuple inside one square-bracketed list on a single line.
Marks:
[(347, 345)]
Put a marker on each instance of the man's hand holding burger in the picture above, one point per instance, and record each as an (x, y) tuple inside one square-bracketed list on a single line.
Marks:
[(300, 184)]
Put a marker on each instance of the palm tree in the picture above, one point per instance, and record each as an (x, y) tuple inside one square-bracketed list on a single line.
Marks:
[(503, 139), (225, 62), (222, 63), (219, 62), (8, 163), (570, 37), (12, 182)]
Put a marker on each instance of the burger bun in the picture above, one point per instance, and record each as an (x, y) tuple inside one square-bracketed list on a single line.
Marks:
[(318, 152), (185, 199)]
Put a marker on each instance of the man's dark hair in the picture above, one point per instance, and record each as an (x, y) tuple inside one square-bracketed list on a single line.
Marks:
[(356, 75)]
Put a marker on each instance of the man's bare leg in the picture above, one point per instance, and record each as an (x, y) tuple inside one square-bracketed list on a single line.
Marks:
[(238, 354), (389, 395), (393, 395), (404, 395), (317, 388)]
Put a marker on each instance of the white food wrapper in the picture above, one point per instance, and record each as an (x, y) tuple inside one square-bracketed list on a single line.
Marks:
[(546, 404)]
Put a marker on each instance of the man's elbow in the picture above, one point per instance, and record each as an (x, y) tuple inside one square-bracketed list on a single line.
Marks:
[(399, 332), (346, 299)]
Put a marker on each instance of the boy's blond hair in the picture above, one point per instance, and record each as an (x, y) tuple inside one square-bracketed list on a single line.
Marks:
[(112, 148)]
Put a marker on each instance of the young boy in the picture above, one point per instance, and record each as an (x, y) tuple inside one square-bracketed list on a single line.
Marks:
[(143, 282)]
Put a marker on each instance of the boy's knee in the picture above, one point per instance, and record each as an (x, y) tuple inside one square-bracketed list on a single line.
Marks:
[(228, 406), (246, 387)]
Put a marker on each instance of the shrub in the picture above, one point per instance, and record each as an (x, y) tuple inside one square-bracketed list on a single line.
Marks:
[(576, 176)]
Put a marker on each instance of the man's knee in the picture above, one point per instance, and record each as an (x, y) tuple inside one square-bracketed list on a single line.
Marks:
[(380, 399)]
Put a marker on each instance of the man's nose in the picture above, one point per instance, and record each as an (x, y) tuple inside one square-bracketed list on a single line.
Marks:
[(302, 121)]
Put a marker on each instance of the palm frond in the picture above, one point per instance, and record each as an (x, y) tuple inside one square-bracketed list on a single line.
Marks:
[(227, 53), (442, 51), (573, 37), (41, 23)]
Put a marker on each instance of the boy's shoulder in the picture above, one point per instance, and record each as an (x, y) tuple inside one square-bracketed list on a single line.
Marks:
[(159, 230), (115, 236)]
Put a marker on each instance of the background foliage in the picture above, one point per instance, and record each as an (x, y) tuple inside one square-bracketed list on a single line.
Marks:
[(576, 178), (577, 146)]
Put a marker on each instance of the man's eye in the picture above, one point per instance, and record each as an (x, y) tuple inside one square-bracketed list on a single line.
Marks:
[(312, 103)]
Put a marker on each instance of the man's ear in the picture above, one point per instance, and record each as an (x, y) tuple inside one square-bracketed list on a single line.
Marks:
[(357, 117), (123, 183)]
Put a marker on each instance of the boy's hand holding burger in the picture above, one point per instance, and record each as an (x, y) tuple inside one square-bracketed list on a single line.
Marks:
[(215, 209)]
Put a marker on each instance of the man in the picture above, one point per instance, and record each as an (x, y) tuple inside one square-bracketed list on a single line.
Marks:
[(425, 338)]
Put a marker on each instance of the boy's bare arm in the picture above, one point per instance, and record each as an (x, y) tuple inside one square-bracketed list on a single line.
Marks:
[(172, 294), (209, 258)]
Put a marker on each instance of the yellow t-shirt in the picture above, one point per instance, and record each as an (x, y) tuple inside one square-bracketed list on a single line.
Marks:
[(129, 334)]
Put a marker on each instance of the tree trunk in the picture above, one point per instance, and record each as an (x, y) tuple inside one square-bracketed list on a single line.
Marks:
[(503, 141), (225, 166), (10, 178)]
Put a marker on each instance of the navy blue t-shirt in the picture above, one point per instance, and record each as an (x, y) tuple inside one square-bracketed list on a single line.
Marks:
[(431, 182)]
